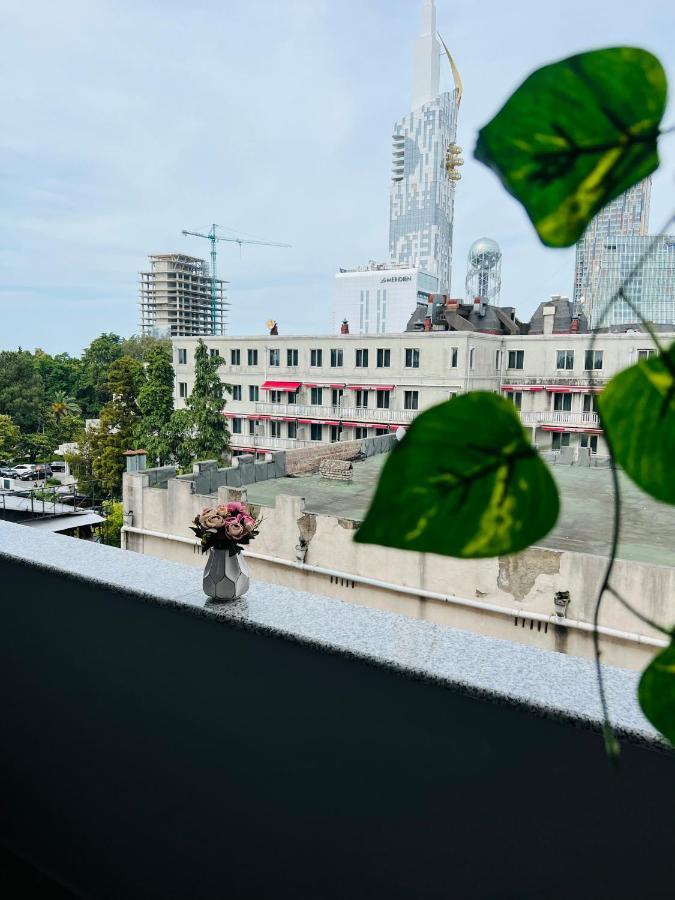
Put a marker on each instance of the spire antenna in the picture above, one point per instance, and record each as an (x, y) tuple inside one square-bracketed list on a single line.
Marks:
[(426, 72)]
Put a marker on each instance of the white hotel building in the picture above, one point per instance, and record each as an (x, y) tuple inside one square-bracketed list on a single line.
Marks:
[(292, 392)]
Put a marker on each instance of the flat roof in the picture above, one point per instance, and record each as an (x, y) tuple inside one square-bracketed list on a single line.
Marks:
[(647, 533)]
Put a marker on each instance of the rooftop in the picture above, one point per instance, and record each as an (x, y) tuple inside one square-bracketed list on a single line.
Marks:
[(648, 529)]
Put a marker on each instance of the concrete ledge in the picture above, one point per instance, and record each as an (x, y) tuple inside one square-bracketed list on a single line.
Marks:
[(547, 683)]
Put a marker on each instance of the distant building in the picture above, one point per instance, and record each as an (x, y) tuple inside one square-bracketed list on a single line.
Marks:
[(379, 298), (175, 298), (484, 272), (422, 195)]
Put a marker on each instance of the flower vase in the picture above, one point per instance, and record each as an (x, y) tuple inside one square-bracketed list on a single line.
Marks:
[(225, 575)]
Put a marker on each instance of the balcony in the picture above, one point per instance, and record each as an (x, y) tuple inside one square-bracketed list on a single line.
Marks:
[(156, 745), (342, 413), (557, 417), (268, 443)]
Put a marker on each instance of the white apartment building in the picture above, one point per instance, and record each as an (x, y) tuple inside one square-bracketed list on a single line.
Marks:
[(291, 392), (380, 298)]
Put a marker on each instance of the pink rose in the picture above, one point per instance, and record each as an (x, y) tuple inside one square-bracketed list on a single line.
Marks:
[(234, 507), (235, 531), (212, 520)]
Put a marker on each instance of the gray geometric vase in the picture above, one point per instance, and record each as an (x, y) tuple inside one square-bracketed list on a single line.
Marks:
[(225, 576)]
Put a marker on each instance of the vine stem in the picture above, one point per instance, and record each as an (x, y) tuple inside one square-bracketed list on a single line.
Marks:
[(609, 735)]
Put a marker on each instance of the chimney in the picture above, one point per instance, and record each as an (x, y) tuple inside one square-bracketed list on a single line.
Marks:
[(344, 328), (274, 330), (136, 460), (548, 313), (427, 323)]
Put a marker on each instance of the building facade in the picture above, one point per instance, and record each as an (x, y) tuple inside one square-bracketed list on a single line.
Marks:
[(175, 298), (380, 298), (292, 392)]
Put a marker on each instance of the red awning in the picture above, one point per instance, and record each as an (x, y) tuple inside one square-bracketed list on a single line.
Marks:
[(323, 384), (558, 389), (307, 421), (370, 387), (233, 415), (522, 387), (573, 429), (280, 385)]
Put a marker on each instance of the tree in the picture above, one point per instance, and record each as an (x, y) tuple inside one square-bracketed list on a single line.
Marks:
[(21, 389), (178, 437), (38, 447), (210, 436), (155, 403), (96, 362), (138, 346), (60, 373), (118, 420), (62, 405), (9, 439)]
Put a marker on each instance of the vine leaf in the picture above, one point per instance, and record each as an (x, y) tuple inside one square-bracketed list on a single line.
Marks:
[(638, 414), (575, 135), (465, 481), (656, 692)]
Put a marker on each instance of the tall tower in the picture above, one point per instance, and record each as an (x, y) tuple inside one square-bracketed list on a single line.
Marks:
[(422, 194)]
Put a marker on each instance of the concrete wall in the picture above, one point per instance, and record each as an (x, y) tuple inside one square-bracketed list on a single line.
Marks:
[(526, 582)]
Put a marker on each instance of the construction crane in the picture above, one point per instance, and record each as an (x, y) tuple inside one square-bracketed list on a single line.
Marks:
[(213, 237)]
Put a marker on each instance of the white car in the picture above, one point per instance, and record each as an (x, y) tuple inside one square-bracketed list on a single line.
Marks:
[(22, 468)]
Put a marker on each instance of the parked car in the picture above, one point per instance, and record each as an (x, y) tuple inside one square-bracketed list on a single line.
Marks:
[(7, 473), (58, 466), (39, 473), (22, 468)]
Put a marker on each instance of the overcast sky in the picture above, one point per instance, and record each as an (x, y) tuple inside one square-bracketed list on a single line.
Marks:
[(125, 121)]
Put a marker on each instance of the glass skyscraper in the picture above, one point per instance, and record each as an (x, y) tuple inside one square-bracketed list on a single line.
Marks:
[(422, 190)]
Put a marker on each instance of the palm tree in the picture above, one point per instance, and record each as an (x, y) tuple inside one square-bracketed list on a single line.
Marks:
[(63, 405)]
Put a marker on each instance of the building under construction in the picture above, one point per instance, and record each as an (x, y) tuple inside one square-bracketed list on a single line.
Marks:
[(178, 298)]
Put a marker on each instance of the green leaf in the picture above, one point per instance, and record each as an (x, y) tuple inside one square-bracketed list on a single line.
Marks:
[(656, 692), (465, 481), (575, 135), (638, 414)]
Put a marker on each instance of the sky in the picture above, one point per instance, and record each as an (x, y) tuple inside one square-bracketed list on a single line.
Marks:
[(127, 121)]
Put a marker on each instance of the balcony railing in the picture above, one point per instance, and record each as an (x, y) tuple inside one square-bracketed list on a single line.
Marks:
[(365, 414), (557, 417), (269, 443)]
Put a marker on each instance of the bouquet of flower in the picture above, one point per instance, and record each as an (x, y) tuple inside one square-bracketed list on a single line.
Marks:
[(227, 526)]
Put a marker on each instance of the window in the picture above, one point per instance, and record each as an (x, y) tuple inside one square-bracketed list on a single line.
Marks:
[(516, 359), (498, 360), (292, 430), (411, 400), (253, 393), (251, 426), (274, 357), (235, 357), (336, 359), (292, 397), (236, 426), (182, 356), (275, 396), (472, 357), (336, 396), (316, 396), (590, 440), (383, 358), (236, 392), (562, 402), (362, 399), (360, 433), (275, 429), (559, 440), (182, 389), (642, 354), (252, 357), (292, 358), (316, 357), (214, 351), (335, 432), (382, 401), (593, 360), (361, 359), (316, 432), (564, 359), (412, 358), (454, 356), (517, 397), (590, 403)]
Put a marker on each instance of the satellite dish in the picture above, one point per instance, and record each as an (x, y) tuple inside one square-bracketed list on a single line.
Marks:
[(400, 433), (270, 323)]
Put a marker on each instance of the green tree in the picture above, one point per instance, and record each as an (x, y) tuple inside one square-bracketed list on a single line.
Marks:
[(114, 519), (60, 374), (36, 447), (155, 403), (118, 420), (10, 435), (138, 346), (97, 359), (62, 405), (178, 437), (21, 389), (210, 435)]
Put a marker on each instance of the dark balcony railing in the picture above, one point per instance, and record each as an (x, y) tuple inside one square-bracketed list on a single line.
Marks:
[(157, 746)]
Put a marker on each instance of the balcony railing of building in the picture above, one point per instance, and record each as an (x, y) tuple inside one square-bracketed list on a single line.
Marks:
[(558, 417), (156, 744), (269, 443), (338, 413)]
